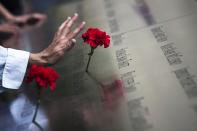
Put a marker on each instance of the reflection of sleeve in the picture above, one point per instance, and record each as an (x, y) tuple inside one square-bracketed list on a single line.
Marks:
[(13, 64)]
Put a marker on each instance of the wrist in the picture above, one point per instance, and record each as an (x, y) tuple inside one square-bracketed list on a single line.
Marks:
[(36, 59)]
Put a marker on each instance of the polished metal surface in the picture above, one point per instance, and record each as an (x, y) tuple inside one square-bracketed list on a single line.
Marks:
[(145, 81)]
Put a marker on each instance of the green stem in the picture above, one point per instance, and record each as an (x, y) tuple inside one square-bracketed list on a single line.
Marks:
[(90, 56), (36, 110)]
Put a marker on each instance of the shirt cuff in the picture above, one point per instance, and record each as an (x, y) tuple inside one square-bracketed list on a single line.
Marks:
[(3, 55), (15, 68)]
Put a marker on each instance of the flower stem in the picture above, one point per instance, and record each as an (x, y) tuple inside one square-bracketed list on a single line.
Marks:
[(36, 110), (88, 63), (90, 56)]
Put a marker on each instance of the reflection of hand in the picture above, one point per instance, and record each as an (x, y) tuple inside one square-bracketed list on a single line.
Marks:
[(7, 31), (63, 41), (35, 19)]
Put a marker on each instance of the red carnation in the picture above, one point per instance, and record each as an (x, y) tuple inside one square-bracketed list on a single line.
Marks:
[(95, 37), (44, 76)]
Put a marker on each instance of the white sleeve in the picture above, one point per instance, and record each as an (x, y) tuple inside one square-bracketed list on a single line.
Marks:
[(15, 68), (3, 57)]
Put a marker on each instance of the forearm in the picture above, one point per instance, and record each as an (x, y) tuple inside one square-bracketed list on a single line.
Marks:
[(5, 13)]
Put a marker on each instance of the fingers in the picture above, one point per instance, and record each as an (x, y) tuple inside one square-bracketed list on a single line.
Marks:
[(77, 30), (60, 30), (9, 28), (64, 36), (67, 27), (74, 18), (64, 23)]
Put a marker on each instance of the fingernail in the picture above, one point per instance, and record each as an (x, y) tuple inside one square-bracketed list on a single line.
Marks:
[(83, 22), (73, 40), (76, 14), (69, 18)]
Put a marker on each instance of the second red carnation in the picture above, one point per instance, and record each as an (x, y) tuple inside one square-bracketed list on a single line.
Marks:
[(44, 76)]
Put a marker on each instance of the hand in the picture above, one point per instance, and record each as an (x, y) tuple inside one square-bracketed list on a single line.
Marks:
[(35, 19), (62, 42)]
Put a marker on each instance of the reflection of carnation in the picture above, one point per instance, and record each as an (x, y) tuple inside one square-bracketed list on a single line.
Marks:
[(44, 77), (95, 37)]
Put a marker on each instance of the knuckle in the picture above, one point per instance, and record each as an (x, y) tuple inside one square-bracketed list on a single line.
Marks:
[(60, 53), (60, 40), (67, 26), (61, 37), (56, 50), (64, 41)]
